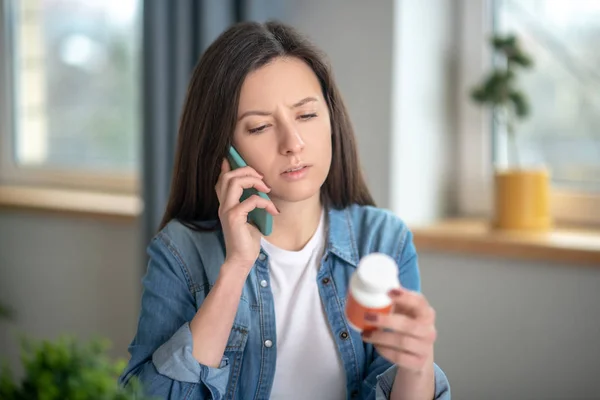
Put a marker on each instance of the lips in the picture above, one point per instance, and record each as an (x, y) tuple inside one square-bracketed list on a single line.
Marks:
[(295, 168)]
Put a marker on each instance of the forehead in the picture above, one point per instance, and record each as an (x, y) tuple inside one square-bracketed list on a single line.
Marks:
[(282, 81)]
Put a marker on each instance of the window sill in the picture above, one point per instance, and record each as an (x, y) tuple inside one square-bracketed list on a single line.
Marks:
[(475, 237), (71, 202)]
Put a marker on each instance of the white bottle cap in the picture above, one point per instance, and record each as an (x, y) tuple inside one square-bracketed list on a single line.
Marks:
[(378, 273)]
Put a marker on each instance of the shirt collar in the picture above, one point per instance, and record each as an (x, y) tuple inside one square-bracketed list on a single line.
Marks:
[(341, 239)]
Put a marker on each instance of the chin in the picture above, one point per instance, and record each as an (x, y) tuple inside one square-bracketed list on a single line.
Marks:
[(296, 194)]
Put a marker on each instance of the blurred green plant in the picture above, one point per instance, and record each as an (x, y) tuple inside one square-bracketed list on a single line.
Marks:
[(65, 369), (499, 89), (5, 313)]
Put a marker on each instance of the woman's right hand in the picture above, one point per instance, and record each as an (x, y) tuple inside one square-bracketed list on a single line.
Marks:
[(242, 240)]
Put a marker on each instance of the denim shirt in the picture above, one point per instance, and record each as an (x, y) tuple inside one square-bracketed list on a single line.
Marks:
[(183, 267)]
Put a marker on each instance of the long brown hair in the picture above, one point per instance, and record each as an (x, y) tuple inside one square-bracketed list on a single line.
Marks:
[(210, 113)]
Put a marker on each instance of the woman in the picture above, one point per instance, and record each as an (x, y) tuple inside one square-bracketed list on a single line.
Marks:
[(227, 313)]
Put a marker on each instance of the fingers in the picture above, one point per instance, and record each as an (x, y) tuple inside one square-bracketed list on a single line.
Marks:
[(403, 359), (227, 174), (253, 202), (230, 187), (226, 177), (406, 336), (230, 195), (225, 167), (403, 341), (402, 324), (412, 303), (229, 179), (238, 215), (398, 343)]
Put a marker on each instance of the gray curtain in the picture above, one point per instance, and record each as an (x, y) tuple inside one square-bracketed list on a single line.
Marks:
[(175, 33)]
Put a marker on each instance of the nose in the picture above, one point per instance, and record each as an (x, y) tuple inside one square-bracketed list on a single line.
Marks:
[(290, 140)]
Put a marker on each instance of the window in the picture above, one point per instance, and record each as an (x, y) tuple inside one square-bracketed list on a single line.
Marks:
[(564, 87), (563, 131), (71, 81)]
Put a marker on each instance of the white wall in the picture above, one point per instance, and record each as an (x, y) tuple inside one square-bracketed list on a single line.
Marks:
[(515, 330), (358, 38), (67, 275), (423, 114)]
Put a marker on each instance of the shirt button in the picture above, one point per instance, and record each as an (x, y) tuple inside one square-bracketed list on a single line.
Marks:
[(268, 343), (325, 281), (262, 256), (264, 283), (344, 335)]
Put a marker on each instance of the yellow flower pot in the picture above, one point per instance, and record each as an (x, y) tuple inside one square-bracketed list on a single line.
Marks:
[(522, 200)]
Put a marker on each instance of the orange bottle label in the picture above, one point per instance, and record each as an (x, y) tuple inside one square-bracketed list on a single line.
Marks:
[(355, 312)]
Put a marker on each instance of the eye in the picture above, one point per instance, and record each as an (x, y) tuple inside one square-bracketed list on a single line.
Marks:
[(306, 117), (258, 129)]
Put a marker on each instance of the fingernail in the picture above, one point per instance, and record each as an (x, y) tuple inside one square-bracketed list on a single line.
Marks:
[(366, 334), (371, 317), (395, 292)]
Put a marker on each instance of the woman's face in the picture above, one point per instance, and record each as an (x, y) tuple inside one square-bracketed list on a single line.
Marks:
[(283, 129)]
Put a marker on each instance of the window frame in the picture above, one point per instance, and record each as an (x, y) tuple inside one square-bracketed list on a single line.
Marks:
[(12, 174), (475, 130)]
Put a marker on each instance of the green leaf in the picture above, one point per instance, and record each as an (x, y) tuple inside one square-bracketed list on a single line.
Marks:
[(67, 369), (500, 42), (523, 60), (500, 88), (8, 389), (520, 104)]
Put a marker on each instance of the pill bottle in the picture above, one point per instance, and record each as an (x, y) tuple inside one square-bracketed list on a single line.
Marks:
[(375, 276)]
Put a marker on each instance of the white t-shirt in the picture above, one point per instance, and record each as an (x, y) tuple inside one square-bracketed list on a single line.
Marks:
[(308, 364)]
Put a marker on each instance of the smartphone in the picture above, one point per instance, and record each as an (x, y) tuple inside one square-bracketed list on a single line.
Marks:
[(258, 217)]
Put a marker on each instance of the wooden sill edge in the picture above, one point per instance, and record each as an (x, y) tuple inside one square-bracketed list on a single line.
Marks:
[(476, 237), (71, 202), (463, 236)]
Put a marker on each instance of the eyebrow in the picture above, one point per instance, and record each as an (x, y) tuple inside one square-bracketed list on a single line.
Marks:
[(304, 101), (266, 113)]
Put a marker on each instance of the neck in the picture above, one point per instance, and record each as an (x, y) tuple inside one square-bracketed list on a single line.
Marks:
[(296, 224)]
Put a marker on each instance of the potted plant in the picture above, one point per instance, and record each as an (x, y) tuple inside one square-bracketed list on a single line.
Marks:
[(66, 369), (521, 194)]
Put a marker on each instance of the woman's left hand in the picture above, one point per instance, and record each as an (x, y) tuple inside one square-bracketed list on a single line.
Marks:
[(407, 335)]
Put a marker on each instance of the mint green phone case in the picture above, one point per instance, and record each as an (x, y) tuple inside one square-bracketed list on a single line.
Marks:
[(259, 217)]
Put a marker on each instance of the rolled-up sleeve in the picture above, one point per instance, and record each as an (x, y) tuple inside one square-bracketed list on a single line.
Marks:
[(161, 352), (175, 360), (385, 382)]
